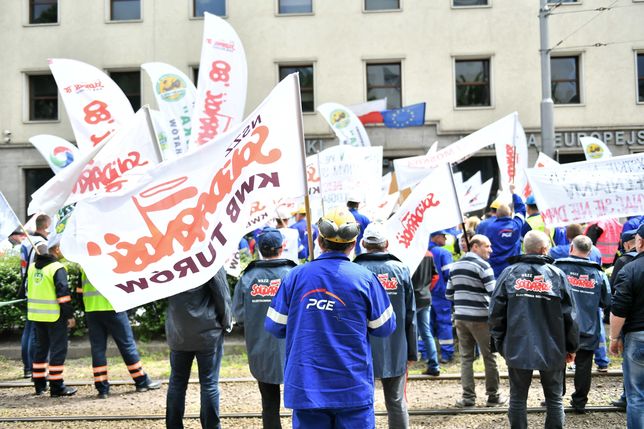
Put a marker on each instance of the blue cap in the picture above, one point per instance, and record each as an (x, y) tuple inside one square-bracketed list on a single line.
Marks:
[(270, 238), (530, 200), (441, 232), (640, 230), (628, 235)]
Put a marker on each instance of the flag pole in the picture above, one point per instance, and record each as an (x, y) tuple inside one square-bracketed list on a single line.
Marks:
[(458, 205), (153, 134), (19, 223), (33, 246), (300, 133), (514, 146)]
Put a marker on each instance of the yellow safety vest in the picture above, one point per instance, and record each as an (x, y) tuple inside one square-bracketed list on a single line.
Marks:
[(42, 305), (92, 298)]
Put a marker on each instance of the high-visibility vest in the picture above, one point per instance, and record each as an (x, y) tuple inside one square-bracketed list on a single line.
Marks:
[(608, 242), (92, 298), (536, 223), (42, 305)]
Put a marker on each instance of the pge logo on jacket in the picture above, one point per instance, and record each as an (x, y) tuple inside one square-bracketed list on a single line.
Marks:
[(388, 283), (538, 284), (321, 304), (583, 281)]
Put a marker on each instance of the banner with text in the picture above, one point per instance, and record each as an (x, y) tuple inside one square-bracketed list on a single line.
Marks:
[(345, 124), (58, 152)]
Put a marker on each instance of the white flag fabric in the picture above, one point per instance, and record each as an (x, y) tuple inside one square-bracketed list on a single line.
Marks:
[(544, 160), (512, 154), (105, 168), (221, 87), (410, 171), (590, 190), (345, 124), (96, 106), (594, 148), (8, 219), (57, 151), (174, 228), (477, 197), (433, 148), (370, 106), (175, 94), (432, 206), (385, 185)]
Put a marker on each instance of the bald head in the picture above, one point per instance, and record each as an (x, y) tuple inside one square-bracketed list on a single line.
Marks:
[(581, 246), (503, 211), (536, 243)]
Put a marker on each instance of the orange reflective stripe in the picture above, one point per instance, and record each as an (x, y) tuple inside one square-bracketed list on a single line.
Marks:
[(100, 368), (36, 365), (56, 376), (137, 374), (134, 366), (100, 378), (64, 299), (56, 368)]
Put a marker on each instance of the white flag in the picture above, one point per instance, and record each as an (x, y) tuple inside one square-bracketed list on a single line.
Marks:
[(174, 228), (345, 124), (594, 148), (58, 152), (221, 88), (8, 219), (512, 154), (96, 106)]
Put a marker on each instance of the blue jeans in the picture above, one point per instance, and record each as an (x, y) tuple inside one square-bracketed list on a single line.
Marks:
[(601, 352), (422, 319), (208, 362), (28, 345), (633, 366), (340, 418)]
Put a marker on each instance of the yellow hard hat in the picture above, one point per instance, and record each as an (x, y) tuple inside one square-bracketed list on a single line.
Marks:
[(339, 226), (300, 210), (495, 204)]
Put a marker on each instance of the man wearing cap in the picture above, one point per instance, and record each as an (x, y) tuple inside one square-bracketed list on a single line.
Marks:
[(300, 226), (292, 244), (490, 217), (391, 354), (253, 294), (324, 309), (627, 331), (49, 307), (441, 315), (353, 202), (534, 220)]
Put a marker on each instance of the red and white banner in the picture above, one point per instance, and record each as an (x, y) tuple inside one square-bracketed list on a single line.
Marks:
[(176, 226), (345, 124), (431, 206), (175, 94), (58, 152), (96, 106), (590, 190), (221, 87), (543, 160), (512, 155), (105, 168)]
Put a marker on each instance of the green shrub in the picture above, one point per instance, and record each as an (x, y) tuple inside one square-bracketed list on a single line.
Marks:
[(11, 316)]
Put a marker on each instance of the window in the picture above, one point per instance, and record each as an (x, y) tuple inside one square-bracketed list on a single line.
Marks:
[(306, 83), (458, 3), (34, 179), (125, 10), (295, 6), (216, 7), (562, 1), (381, 4), (43, 11), (43, 98), (130, 84), (568, 157), (472, 83), (640, 77), (564, 76), (384, 80)]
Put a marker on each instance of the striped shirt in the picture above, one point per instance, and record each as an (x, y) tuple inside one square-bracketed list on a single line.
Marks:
[(470, 285)]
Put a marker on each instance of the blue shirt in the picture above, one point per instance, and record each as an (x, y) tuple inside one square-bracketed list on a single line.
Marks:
[(363, 221), (443, 262), (505, 235), (300, 226)]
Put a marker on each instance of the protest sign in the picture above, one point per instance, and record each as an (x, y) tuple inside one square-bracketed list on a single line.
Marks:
[(58, 152), (174, 228), (345, 124), (590, 190)]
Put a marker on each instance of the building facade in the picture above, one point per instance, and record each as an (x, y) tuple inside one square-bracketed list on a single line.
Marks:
[(471, 61)]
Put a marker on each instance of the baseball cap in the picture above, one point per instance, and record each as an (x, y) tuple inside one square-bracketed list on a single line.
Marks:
[(530, 200), (375, 233), (270, 238), (640, 231), (628, 235), (283, 213), (435, 233)]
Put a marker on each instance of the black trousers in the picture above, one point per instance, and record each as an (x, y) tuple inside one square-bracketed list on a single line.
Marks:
[(583, 368), (51, 341), (552, 383), (270, 405)]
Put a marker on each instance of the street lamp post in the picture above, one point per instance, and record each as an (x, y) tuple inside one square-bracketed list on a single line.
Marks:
[(547, 106)]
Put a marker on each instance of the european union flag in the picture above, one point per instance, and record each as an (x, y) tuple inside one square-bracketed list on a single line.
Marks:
[(407, 116)]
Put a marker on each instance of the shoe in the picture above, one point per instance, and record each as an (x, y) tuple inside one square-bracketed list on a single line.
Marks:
[(543, 404), (150, 385), (620, 403), (432, 372), (26, 374), (41, 391), (446, 361), (64, 391), (465, 403), (497, 401), (102, 395), (602, 369), (579, 410)]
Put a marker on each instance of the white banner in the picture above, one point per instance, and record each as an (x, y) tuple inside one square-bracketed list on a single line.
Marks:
[(512, 155), (96, 106), (8, 219), (594, 148), (345, 124), (175, 94), (432, 206), (477, 197), (105, 168), (175, 227), (410, 171), (543, 160), (382, 210), (221, 87), (589, 190), (58, 152)]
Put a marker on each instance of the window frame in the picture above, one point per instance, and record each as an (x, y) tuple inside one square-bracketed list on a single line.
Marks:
[(637, 53), (302, 63), (28, 105), (28, 13), (473, 6), (108, 13), (482, 57), (278, 13), (111, 72), (365, 10), (192, 7), (580, 80), (385, 61)]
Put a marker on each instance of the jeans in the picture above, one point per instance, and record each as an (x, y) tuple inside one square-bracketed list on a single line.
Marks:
[(469, 335), (583, 369), (633, 365), (28, 345), (209, 362), (270, 405), (601, 352), (394, 390), (422, 319), (552, 383)]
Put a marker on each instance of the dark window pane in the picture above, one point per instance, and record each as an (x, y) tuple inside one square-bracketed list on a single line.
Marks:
[(43, 98), (384, 80), (43, 11), (566, 158), (564, 73), (640, 76), (470, 2), (306, 84), (216, 7), (123, 10), (381, 4), (34, 179), (472, 83), (295, 6), (130, 84)]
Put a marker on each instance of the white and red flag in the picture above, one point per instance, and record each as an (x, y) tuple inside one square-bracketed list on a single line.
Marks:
[(512, 154)]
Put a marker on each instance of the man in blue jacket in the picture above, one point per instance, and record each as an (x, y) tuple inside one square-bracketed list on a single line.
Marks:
[(253, 294), (324, 309), (441, 315), (353, 202), (300, 226), (590, 291), (391, 354)]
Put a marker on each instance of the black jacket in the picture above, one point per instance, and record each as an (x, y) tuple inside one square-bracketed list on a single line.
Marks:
[(422, 280), (196, 318), (532, 316), (628, 301)]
